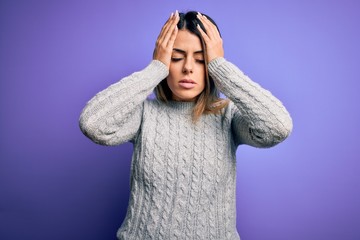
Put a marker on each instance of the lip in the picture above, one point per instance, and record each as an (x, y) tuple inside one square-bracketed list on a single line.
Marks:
[(187, 83)]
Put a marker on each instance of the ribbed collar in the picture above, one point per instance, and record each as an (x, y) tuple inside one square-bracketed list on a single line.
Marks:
[(184, 107)]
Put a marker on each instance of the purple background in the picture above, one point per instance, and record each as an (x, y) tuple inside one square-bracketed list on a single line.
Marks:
[(55, 55)]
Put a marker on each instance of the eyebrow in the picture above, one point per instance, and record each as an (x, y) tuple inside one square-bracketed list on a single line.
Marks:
[(183, 52)]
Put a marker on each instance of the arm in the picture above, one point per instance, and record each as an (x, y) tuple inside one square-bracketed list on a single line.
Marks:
[(259, 119), (113, 116)]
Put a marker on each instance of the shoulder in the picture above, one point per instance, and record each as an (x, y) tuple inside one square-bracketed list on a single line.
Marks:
[(230, 110), (222, 105), (153, 104)]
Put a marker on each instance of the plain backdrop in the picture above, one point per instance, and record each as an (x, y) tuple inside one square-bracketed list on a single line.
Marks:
[(55, 55)]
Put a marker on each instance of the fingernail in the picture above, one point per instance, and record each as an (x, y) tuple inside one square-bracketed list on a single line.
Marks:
[(177, 13), (171, 15)]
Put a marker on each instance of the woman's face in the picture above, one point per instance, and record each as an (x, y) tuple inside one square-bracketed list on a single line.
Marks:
[(186, 78)]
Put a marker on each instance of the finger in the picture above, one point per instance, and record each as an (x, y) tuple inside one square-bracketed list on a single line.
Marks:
[(172, 38), (210, 28), (166, 27), (211, 25), (203, 34), (205, 25), (171, 29)]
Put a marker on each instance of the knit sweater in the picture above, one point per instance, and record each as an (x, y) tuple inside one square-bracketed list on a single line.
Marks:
[(183, 174)]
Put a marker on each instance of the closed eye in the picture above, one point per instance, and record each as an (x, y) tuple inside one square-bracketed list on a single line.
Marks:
[(179, 59), (176, 59)]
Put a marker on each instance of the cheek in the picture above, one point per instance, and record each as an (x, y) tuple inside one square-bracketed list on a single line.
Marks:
[(171, 77), (173, 72), (201, 75), (175, 68)]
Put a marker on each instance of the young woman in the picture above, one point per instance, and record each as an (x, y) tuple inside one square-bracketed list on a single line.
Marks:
[(183, 172)]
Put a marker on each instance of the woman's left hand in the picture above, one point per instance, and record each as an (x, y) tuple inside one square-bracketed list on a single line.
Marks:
[(212, 39)]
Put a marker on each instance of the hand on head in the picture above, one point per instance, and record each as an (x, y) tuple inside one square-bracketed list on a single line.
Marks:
[(165, 41), (212, 38)]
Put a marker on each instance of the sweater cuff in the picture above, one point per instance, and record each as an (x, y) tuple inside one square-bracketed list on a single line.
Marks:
[(156, 67), (215, 63)]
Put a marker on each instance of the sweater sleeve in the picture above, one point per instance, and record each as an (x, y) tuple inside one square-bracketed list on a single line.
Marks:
[(258, 118), (113, 116)]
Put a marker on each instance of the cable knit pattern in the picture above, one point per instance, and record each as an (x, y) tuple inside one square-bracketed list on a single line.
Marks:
[(257, 110), (183, 174)]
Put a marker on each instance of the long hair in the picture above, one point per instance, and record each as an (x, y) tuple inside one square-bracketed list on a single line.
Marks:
[(208, 101)]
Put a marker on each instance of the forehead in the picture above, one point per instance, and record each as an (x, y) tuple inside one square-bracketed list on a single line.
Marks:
[(187, 41)]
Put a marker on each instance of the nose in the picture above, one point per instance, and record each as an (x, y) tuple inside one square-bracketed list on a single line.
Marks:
[(188, 66)]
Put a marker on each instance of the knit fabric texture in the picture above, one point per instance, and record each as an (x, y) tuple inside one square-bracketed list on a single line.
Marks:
[(183, 174)]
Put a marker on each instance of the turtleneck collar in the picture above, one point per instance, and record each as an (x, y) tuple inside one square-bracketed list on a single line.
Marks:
[(184, 107)]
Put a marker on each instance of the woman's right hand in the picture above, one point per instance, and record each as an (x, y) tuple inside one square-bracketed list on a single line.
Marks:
[(165, 41)]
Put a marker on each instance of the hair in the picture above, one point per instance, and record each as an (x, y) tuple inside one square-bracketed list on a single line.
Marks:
[(208, 101)]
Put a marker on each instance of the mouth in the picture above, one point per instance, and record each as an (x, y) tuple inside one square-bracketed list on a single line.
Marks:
[(187, 83)]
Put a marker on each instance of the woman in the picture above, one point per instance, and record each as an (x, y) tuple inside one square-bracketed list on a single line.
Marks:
[(183, 172)]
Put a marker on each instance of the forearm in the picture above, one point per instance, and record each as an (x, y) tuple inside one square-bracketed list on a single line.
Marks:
[(263, 120), (119, 106)]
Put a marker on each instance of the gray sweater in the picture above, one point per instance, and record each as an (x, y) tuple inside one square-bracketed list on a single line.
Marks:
[(183, 174)]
